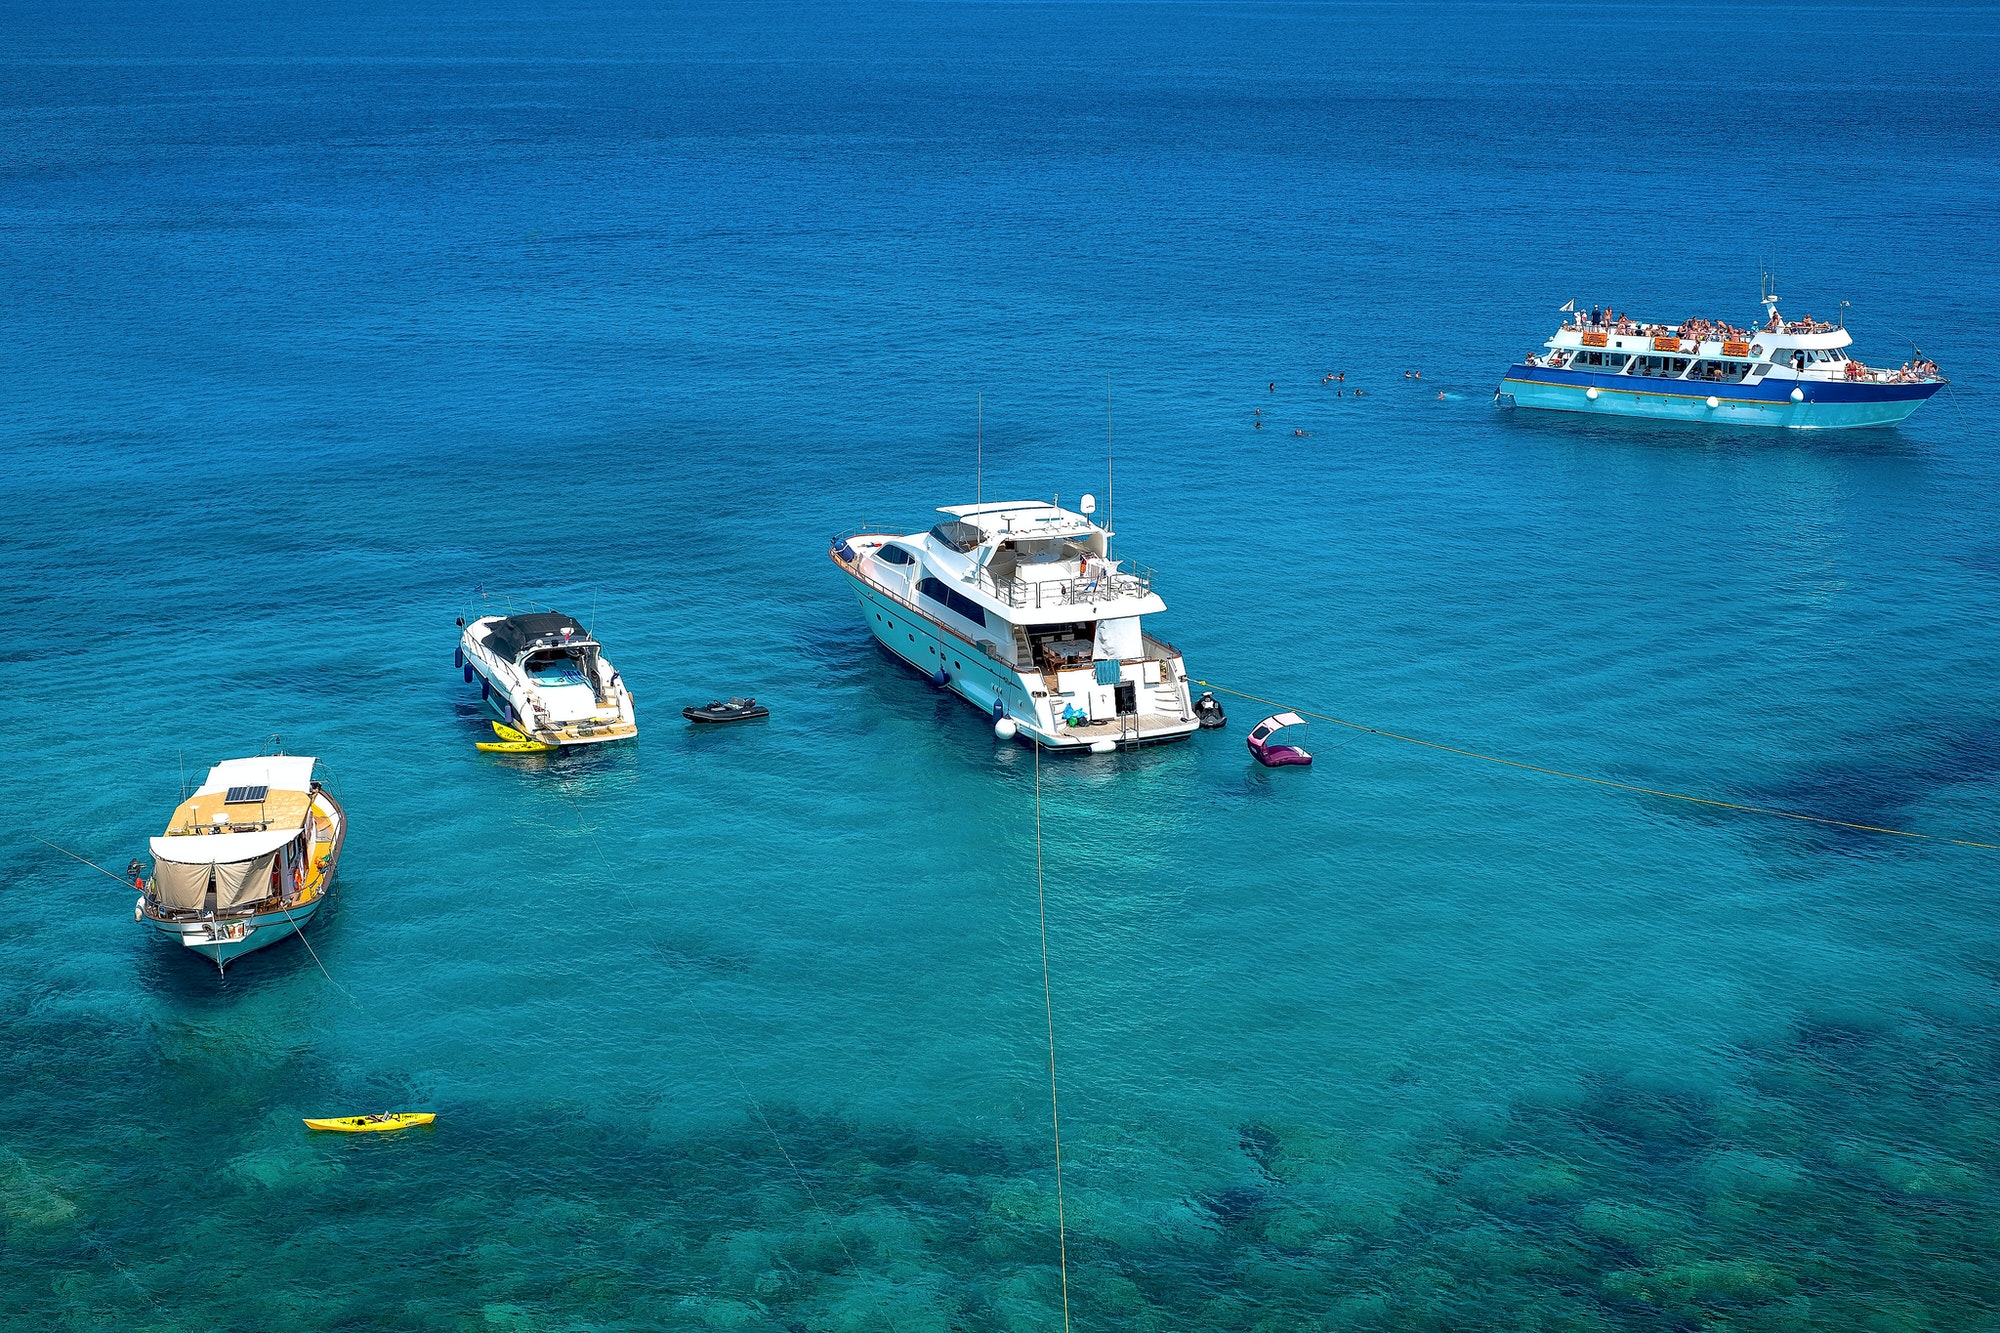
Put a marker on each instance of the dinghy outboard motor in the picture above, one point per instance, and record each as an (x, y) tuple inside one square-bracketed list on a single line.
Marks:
[(1209, 712)]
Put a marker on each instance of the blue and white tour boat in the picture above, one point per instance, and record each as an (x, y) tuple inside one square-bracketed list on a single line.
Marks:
[(1791, 373), (1020, 608)]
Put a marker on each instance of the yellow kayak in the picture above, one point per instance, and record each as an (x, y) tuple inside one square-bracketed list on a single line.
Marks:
[(513, 742), (373, 1124)]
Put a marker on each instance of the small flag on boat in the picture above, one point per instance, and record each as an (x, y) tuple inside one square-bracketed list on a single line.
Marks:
[(1569, 305)]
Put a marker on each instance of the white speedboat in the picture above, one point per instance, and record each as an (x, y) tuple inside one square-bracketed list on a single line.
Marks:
[(1019, 608), (545, 675), (245, 861)]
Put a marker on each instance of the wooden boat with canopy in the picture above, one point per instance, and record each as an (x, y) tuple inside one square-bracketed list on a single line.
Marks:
[(246, 860)]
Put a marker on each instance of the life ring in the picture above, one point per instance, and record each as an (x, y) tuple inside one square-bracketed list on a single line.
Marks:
[(1756, 349)]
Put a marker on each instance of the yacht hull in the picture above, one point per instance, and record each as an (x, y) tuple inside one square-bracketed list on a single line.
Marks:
[(945, 659), (1826, 405)]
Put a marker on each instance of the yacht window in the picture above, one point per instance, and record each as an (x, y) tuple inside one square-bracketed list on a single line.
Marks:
[(959, 535), (937, 591), (895, 555)]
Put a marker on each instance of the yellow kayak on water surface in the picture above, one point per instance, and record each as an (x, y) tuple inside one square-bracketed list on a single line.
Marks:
[(373, 1124), (514, 742)]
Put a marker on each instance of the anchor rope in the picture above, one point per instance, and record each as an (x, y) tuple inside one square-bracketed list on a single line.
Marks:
[(1049, 1012), (686, 995), (87, 861), (1607, 782)]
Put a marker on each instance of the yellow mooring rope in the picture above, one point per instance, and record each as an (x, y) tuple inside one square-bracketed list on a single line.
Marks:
[(1049, 1011), (1605, 782)]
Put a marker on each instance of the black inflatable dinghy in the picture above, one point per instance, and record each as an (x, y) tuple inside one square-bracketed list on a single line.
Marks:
[(1208, 711), (731, 710)]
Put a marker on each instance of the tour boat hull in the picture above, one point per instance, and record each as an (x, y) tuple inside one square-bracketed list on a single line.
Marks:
[(1822, 404)]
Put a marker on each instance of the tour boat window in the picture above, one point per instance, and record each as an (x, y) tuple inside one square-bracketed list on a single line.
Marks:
[(895, 555), (1720, 372)]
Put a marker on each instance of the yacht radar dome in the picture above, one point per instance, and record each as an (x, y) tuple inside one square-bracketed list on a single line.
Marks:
[(1088, 504)]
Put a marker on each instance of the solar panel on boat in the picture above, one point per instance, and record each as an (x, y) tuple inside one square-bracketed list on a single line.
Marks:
[(245, 795)]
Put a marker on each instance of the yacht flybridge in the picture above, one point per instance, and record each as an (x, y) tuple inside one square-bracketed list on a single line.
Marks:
[(1019, 607), (246, 860), (544, 674)]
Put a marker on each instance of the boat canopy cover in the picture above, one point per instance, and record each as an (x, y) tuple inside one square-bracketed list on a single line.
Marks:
[(1275, 722), (509, 638), (213, 849), (279, 772)]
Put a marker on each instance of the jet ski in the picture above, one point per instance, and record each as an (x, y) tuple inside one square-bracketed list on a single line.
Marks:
[(729, 710), (1208, 711)]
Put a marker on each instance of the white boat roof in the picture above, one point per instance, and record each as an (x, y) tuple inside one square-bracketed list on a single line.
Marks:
[(279, 772), (1026, 518), (209, 849)]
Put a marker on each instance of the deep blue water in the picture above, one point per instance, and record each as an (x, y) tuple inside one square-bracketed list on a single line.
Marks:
[(325, 324)]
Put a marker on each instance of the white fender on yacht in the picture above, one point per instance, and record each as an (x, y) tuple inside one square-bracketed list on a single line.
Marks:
[(1798, 395), (1713, 401), (1591, 394), (1104, 747), (1006, 728)]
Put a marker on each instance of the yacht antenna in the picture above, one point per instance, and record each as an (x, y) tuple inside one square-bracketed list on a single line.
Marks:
[(1110, 473), (1843, 314), (979, 451)]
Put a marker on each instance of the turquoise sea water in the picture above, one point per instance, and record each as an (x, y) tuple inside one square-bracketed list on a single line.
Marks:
[(325, 325)]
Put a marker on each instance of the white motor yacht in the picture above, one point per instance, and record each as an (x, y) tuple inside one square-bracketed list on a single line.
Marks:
[(1019, 607), (545, 675)]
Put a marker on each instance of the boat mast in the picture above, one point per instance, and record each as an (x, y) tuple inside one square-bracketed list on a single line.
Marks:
[(979, 452), (1110, 471)]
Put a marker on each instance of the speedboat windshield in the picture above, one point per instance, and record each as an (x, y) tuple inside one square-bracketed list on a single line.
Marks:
[(557, 668)]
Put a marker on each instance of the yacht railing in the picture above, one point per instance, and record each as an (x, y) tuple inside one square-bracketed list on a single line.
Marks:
[(1128, 581)]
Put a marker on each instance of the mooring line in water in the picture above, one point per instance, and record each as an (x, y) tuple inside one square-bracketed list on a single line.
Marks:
[(1607, 782), (701, 1020), (87, 861), (300, 931), (1049, 1012)]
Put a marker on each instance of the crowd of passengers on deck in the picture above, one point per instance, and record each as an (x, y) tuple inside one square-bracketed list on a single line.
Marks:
[(1701, 330)]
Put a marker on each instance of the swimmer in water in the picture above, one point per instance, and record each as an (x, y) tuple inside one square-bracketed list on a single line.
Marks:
[(1274, 386), (1440, 395)]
